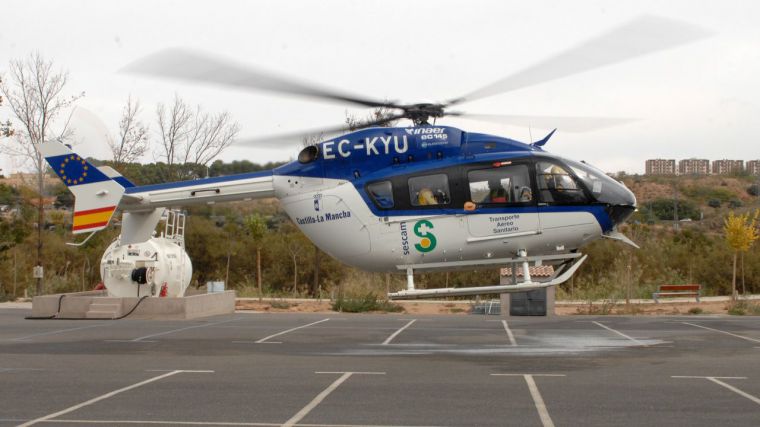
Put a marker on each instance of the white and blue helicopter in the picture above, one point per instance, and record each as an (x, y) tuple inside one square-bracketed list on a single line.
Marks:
[(405, 199)]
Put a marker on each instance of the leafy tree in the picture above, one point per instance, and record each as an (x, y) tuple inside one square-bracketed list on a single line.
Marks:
[(741, 231), (257, 229), (664, 209)]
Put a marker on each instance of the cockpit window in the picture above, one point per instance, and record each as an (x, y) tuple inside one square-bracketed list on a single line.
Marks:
[(429, 190), (557, 185), (382, 194), (503, 185), (603, 188)]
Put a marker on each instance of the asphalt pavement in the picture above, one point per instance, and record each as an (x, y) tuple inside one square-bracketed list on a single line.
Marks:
[(261, 369)]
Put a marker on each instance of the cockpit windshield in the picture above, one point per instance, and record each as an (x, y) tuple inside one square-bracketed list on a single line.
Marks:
[(604, 188)]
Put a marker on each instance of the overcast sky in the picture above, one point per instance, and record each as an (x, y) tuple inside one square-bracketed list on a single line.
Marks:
[(699, 99)]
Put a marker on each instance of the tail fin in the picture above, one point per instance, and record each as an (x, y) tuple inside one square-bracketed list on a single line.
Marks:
[(116, 176), (96, 194)]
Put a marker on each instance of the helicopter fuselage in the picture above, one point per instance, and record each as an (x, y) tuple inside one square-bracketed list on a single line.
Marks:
[(384, 198)]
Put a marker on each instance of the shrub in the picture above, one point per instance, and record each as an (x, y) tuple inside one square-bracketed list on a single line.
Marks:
[(740, 308), (753, 190), (695, 310), (367, 302), (735, 203), (713, 203), (280, 304)]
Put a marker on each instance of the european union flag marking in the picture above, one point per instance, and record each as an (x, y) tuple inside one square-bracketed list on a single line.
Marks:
[(74, 170)]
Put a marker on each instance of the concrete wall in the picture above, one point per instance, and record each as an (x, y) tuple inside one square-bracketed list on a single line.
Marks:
[(77, 305), (74, 304)]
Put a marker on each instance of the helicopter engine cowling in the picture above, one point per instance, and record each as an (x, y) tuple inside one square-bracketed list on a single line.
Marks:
[(157, 267)]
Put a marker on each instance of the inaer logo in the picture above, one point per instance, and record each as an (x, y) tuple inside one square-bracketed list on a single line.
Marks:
[(427, 239)]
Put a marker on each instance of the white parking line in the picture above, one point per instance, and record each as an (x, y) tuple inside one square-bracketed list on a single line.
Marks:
[(99, 398), (538, 401), (509, 333), (395, 334), (290, 330), (60, 331), (201, 423), (717, 380), (321, 396), (722, 332), (174, 330), (620, 333)]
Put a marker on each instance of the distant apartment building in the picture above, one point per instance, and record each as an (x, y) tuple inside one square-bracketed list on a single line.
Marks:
[(693, 167), (753, 167), (660, 167), (727, 167)]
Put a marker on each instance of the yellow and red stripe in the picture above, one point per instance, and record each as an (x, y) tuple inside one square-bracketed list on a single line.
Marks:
[(92, 218)]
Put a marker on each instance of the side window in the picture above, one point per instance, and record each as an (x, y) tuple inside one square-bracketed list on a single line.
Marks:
[(557, 186), (429, 190), (503, 185), (382, 194)]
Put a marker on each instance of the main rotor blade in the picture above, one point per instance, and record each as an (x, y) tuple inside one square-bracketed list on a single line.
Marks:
[(198, 66), (563, 123), (643, 35), (308, 137)]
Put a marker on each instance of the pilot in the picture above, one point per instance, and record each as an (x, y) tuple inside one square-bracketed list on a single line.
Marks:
[(496, 194), (426, 197)]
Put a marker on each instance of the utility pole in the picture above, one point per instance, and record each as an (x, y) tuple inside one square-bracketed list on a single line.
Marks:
[(675, 207)]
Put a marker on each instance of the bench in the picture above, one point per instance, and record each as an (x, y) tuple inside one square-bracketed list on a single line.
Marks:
[(677, 291)]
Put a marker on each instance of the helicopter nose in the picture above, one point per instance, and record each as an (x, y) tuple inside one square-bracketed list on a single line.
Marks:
[(621, 203)]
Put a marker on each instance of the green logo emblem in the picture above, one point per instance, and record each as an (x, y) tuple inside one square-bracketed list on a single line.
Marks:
[(427, 239)]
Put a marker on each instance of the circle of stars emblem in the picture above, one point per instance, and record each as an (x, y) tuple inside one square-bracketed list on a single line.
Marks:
[(67, 169)]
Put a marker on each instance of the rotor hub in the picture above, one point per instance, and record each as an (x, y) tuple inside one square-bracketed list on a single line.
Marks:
[(420, 114)]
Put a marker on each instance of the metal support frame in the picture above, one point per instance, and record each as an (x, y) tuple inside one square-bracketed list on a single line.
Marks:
[(563, 273)]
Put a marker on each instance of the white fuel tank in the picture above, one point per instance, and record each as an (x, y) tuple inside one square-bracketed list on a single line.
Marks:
[(157, 267)]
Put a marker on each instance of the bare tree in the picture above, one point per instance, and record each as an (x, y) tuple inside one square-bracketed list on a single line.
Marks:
[(193, 136), (173, 126), (354, 123), (133, 135), (34, 94)]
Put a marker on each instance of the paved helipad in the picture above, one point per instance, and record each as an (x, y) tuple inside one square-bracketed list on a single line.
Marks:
[(252, 369)]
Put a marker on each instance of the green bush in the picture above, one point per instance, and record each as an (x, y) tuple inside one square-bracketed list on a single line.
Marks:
[(365, 303)]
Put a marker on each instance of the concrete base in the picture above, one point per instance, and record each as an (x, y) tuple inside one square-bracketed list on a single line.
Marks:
[(551, 291), (98, 305)]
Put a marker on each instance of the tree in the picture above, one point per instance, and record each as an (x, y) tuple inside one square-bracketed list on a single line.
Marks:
[(133, 135), (295, 244), (35, 95), (741, 231), (354, 123), (6, 129), (189, 136), (257, 229)]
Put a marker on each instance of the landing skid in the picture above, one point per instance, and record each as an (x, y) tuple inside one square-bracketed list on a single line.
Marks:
[(562, 274)]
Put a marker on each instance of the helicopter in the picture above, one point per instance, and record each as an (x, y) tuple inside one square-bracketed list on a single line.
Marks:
[(421, 198)]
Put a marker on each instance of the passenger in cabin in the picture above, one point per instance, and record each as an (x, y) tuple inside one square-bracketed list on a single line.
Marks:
[(426, 197), (525, 195), (497, 193)]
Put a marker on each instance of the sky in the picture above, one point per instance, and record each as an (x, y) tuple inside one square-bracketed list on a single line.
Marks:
[(696, 100)]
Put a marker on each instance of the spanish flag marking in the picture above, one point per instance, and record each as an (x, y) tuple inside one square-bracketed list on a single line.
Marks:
[(92, 218)]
